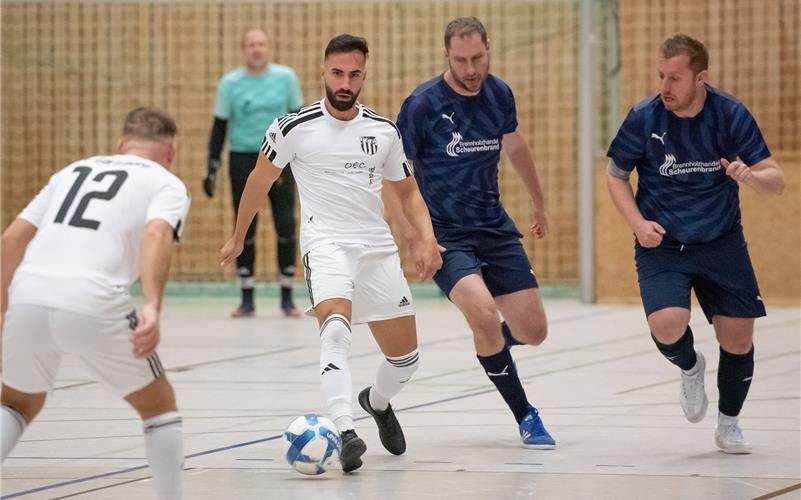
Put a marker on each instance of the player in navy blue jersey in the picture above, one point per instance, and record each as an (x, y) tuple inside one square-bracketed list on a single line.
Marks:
[(693, 146), (453, 129)]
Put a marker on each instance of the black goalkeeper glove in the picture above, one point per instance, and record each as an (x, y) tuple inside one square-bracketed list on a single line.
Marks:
[(209, 182)]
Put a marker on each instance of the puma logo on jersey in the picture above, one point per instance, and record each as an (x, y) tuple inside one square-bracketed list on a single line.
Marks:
[(660, 138), (449, 117), (501, 373)]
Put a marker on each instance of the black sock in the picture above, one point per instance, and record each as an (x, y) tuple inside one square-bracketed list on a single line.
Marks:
[(507, 335), (682, 353), (501, 370), (286, 293), (734, 379), (247, 297)]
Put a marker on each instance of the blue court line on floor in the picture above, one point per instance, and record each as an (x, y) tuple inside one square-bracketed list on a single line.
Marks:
[(134, 469), (248, 443), (233, 446), (220, 449)]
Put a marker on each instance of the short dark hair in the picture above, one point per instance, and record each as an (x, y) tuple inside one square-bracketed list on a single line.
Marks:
[(463, 26), (683, 44), (345, 43), (150, 124)]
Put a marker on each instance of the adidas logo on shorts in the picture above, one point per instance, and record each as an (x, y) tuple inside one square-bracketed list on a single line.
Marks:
[(404, 302)]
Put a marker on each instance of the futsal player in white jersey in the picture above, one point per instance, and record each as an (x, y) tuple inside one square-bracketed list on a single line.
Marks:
[(68, 261), (341, 152)]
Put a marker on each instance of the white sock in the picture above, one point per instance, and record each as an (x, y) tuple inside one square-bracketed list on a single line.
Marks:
[(164, 446), (13, 425), (725, 420), (248, 281), (335, 376), (393, 373)]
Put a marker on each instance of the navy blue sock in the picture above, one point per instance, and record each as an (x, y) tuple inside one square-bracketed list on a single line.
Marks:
[(247, 297), (286, 294), (734, 379), (682, 353), (507, 335), (501, 370)]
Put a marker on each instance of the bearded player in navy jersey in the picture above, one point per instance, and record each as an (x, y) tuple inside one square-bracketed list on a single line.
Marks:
[(453, 129), (693, 146)]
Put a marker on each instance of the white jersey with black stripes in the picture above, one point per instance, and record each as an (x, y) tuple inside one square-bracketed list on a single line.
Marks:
[(339, 167), (90, 218)]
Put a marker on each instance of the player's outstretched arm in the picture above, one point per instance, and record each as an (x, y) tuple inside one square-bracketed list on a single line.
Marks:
[(16, 238), (258, 185), (765, 177), (155, 252), (519, 154), (649, 233), (414, 212)]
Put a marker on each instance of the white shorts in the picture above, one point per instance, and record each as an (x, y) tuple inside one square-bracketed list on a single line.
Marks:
[(370, 277), (35, 338)]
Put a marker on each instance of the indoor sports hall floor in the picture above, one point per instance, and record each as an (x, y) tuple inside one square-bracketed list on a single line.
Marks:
[(603, 391)]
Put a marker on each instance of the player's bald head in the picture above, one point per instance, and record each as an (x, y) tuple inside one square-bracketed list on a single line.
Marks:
[(254, 34)]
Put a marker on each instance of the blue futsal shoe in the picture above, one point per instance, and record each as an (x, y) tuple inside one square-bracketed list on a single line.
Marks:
[(533, 433)]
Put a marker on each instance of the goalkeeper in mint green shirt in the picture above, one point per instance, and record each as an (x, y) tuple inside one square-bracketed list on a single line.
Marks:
[(249, 98)]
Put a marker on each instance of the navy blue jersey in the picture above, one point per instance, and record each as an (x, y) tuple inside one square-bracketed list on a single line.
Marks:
[(682, 184), (455, 144)]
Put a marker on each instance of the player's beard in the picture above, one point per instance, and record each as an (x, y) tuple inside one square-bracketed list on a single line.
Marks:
[(475, 85), (679, 105), (337, 104)]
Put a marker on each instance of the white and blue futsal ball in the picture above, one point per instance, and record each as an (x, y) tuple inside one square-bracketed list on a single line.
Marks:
[(312, 444)]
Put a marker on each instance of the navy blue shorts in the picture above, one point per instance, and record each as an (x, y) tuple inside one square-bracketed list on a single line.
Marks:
[(498, 256), (720, 272)]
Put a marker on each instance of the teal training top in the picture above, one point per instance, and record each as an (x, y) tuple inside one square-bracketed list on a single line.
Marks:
[(250, 103)]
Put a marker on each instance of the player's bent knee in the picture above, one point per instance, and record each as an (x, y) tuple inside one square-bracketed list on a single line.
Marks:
[(483, 317), (335, 333), (536, 334), (738, 345), (154, 399), (669, 324), (27, 404)]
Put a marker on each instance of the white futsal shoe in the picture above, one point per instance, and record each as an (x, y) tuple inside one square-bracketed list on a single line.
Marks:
[(693, 397), (729, 436)]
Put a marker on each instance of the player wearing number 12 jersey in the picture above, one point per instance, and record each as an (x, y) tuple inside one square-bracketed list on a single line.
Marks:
[(73, 253)]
